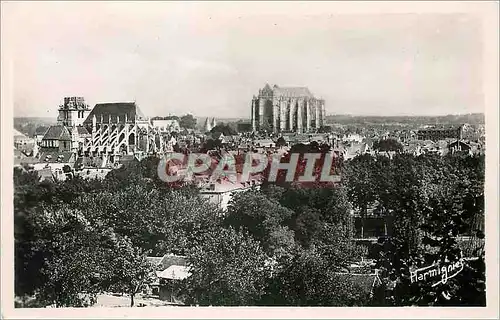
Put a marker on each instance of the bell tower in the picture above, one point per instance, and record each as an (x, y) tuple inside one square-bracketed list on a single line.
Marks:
[(73, 112)]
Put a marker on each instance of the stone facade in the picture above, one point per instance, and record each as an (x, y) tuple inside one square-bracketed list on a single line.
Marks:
[(287, 109), (73, 112)]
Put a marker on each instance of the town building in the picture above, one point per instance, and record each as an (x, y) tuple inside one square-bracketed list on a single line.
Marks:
[(57, 139), (169, 269), (435, 134), (167, 126), (287, 109), (221, 192), (21, 139)]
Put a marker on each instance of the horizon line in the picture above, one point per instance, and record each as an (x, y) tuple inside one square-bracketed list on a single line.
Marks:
[(327, 115)]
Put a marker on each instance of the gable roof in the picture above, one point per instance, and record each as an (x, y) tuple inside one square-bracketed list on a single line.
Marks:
[(82, 130), (174, 273), (168, 260), (114, 110), (57, 133)]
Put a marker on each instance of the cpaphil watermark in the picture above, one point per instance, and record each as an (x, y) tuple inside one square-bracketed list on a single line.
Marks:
[(438, 273), (304, 167)]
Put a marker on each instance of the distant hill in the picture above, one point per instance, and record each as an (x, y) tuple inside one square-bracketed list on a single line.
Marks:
[(28, 125), (472, 118)]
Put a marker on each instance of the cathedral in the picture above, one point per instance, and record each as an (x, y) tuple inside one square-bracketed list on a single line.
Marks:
[(287, 109)]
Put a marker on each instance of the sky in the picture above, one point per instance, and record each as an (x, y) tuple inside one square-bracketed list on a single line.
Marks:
[(209, 59)]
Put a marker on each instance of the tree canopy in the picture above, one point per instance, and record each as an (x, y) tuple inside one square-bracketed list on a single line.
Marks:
[(187, 121)]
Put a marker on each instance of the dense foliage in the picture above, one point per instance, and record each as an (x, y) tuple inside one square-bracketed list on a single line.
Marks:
[(387, 145), (434, 201), (225, 129), (187, 121), (286, 244)]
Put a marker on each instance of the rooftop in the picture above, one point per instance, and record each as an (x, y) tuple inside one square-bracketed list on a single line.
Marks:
[(289, 92), (115, 112), (57, 133), (286, 92)]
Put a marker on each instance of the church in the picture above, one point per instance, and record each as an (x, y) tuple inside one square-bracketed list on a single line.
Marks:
[(287, 109)]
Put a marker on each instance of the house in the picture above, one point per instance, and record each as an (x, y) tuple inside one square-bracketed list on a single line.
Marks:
[(169, 269), (439, 133), (56, 161), (465, 146), (353, 137), (46, 174), (355, 149), (21, 139), (221, 193), (20, 158), (57, 139), (264, 143)]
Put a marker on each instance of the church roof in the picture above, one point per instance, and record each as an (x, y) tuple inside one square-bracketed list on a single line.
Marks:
[(57, 133), (292, 92), (114, 110)]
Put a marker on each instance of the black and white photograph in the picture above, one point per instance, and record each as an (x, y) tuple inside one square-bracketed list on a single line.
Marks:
[(173, 156)]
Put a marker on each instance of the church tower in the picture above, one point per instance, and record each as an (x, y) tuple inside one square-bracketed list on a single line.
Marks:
[(73, 112)]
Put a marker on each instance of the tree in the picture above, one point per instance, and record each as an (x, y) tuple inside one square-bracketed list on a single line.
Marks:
[(33, 235), (263, 218), (281, 142), (187, 121), (360, 182), (166, 118), (384, 145), (434, 209), (130, 271), (308, 280), (228, 268), (225, 129), (72, 266), (156, 219)]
